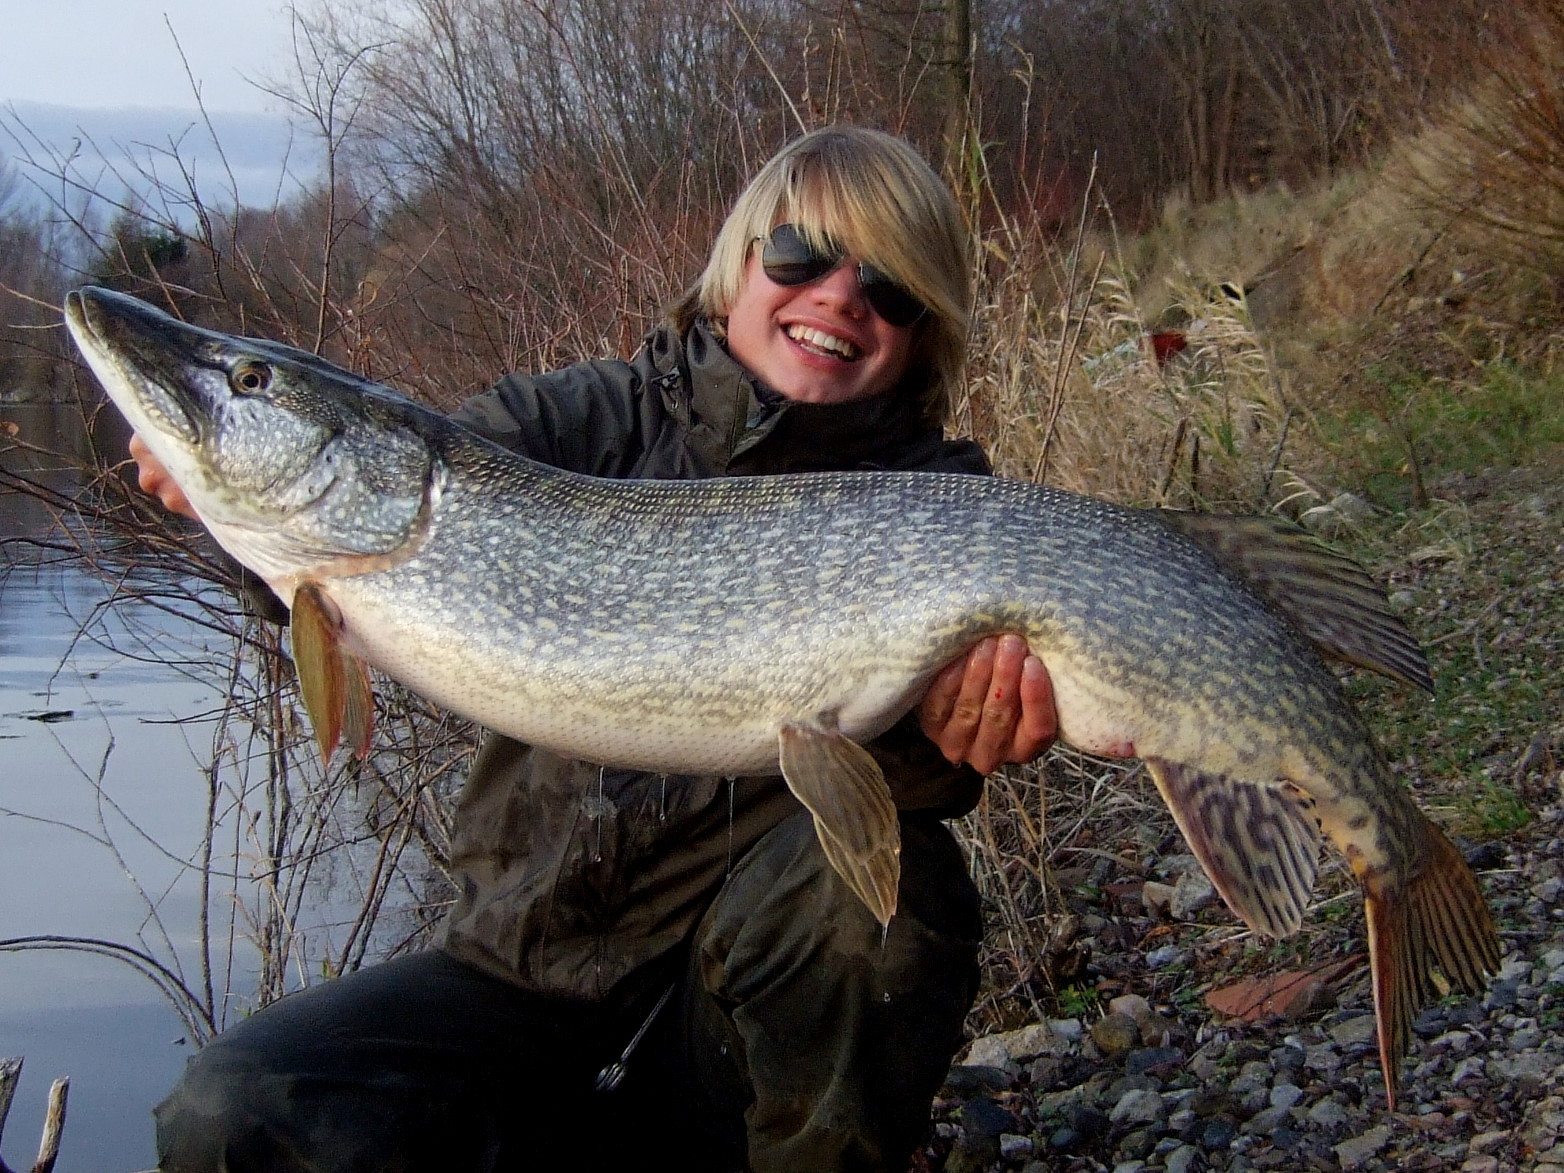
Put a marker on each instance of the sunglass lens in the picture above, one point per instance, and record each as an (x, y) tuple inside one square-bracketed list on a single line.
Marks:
[(788, 260), (890, 300)]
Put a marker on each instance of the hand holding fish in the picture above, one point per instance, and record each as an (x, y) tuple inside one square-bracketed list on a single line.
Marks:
[(993, 706), (155, 480)]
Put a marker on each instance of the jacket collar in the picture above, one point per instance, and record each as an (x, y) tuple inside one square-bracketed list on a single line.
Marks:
[(740, 426)]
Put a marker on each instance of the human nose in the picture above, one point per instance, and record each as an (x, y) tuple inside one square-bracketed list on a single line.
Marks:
[(842, 288)]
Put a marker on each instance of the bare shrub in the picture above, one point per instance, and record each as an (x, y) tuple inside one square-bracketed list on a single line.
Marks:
[(1494, 163)]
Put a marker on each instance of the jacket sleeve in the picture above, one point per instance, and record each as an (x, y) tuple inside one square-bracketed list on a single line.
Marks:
[(585, 418), (918, 775)]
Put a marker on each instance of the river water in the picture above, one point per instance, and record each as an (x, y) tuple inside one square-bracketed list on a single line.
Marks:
[(106, 728)]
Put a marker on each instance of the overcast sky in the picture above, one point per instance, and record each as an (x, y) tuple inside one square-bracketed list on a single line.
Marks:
[(112, 53)]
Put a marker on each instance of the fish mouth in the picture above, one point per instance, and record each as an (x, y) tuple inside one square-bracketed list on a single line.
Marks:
[(142, 357)]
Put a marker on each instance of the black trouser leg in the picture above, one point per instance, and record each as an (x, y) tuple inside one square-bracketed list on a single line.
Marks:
[(829, 1035)]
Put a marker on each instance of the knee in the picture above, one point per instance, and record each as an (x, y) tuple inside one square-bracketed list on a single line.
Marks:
[(215, 1113)]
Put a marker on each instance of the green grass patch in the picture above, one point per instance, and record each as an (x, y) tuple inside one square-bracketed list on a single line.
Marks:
[(1402, 421)]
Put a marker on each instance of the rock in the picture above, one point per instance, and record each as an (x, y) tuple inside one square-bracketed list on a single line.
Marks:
[(984, 1119), (1483, 1164), (1088, 1121), (1191, 894), (1285, 1095), (1138, 1107), (1470, 1068), (1359, 1029), (1015, 1148), (1355, 1152), (1157, 898), (1324, 1058), (1217, 1133), (1016, 1046), (1131, 1006), (1182, 1159), (1328, 1114), (1267, 1119), (1536, 1064), (1115, 1033), (1149, 1058), (1138, 1144), (1487, 1142), (966, 1080), (1165, 956)]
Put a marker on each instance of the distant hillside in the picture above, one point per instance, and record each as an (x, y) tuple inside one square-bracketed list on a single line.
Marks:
[(261, 158)]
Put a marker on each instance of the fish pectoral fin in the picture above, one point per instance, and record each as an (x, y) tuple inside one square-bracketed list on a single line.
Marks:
[(1259, 844), (842, 786), (333, 681), (1328, 597)]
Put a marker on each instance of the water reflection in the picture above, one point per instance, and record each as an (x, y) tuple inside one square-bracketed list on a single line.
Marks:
[(102, 802), (116, 700)]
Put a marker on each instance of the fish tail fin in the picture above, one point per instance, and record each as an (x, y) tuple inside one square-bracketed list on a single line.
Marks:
[(1437, 922)]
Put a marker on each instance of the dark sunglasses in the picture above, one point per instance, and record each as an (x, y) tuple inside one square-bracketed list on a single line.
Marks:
[(788, 259)]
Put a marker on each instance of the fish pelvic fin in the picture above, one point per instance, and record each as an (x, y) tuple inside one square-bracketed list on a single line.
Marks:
[(333, 681), (855, 818), (1259, 844), (1326, 596), (1437, 921)]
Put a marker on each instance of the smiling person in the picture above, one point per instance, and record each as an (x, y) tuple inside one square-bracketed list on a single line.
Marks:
[(642, 968)]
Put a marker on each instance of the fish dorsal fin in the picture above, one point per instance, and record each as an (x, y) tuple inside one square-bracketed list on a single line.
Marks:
[(1325, 595), (1259, 844), (855, 818), (333, 681)]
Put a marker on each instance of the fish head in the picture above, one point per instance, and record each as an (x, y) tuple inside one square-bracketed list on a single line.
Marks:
[(290, 461)]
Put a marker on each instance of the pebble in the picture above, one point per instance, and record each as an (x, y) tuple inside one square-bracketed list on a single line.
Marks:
[(1352, 1154), (1115, 1033), (1138, 1106), (1192, 894), (1165, 956), (1358, 1029), (1015, 1148), (1328, 1114)]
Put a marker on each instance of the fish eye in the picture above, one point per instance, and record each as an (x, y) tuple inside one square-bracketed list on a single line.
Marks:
[(250, 378)]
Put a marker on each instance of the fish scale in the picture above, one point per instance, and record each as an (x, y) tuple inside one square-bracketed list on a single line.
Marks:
[(764, 625)]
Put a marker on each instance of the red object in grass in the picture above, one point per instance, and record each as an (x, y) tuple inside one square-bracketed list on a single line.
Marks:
[(1166, 343)]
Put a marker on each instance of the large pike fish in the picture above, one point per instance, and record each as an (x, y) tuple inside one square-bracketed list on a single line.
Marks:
[(750, 625)]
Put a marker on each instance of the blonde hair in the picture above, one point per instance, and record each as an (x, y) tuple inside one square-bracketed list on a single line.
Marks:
[(874, 196)]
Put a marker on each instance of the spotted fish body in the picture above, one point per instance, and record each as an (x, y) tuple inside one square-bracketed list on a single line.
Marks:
[(736, 625)]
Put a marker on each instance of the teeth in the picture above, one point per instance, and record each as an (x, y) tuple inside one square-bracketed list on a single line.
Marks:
[(820, 340)]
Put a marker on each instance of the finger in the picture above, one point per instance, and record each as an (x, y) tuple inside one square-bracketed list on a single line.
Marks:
[(935, 708), (966, 713), (995, 734), (1038, 727)]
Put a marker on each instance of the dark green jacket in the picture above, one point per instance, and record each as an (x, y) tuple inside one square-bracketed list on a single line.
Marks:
[(575, 880)]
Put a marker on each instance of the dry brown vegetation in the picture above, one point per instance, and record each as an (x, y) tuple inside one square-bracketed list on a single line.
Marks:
[(514, 185)]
